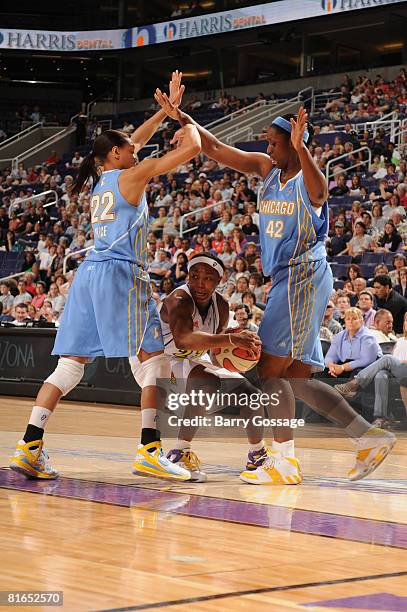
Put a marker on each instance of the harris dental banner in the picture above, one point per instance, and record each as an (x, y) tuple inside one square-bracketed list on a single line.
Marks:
[(282, 11)]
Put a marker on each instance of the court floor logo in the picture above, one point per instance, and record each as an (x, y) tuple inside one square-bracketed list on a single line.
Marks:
[(329, 5)]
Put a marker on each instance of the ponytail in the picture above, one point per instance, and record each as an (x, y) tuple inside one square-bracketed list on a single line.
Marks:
[(101, 147), (87, 170)]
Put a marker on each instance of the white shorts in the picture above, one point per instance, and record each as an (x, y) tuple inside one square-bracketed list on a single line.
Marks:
[(181, 369)]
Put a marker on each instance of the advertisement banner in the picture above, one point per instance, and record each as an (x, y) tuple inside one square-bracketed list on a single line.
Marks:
[(245, 18), (209, 24)]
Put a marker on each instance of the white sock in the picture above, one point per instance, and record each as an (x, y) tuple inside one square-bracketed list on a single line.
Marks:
[(256, 447), (182, 444), (285, 449), (149, 418), (39, 416)]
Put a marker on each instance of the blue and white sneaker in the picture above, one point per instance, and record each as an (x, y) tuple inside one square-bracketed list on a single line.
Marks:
[(150, 460), (31, 460), (187, 459)]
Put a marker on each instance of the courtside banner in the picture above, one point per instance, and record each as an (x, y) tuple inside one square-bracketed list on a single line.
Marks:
[(183, 29)]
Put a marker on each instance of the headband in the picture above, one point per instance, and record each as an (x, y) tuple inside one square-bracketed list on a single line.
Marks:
[(208, 261), (286, 126)]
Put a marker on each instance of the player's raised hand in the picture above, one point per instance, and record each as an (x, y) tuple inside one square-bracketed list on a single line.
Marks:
[(176, 89), (298, 128), (164, 101), (178, 138)]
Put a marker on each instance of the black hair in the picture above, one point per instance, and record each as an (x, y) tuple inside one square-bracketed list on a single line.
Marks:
[(209, 256), (310, 128), (383, 279), (101, 147), (246, 308)]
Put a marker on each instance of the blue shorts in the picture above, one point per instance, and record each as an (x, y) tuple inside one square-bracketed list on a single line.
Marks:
[(294, 312), (109, 312)]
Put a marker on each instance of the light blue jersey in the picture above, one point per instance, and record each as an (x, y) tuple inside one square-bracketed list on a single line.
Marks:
[(120, 229), (293, 253), (290, 229), (110, 310)]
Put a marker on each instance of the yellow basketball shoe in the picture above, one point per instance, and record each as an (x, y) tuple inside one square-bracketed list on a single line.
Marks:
[(151, 461), (32, 462), (373, 448), (276, 470)]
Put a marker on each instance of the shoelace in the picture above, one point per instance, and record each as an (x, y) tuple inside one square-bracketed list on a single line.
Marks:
[(270, 462), (191, 460)]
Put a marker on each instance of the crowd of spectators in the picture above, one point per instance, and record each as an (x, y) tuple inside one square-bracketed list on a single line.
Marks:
[(366, 244)]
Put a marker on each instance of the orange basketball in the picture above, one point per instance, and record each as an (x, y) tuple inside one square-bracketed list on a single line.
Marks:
[(234, 358)]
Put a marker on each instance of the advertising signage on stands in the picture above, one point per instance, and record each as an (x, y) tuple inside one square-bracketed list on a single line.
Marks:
[(282, 11)]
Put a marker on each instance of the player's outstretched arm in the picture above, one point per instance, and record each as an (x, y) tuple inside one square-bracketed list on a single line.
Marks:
[(143, 134), (314, 180), (256, 163), (132, 182)]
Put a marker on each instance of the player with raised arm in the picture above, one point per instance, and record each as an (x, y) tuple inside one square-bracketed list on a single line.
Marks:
[(294, 223), (110, 311)]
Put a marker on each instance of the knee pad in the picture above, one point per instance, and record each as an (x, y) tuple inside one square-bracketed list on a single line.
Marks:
[(147, 373), (67, 375)]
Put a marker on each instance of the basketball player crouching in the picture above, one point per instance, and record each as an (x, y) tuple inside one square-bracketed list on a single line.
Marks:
[(194, 318)]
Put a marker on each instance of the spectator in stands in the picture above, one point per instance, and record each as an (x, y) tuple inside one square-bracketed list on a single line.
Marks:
[(242, 285), (128, 127), (6, 299), (353, 348), (359, 243), (365, 305), (158, 223), (342, 305), (341, 187), (394, 365), (337, 244), (39, 296), (53, 159), (401, 286), (329, 322), (226, 225), (391, 239), (389, 299), (57, 300), (158, 269), (356, 188), (21, 315), (76, 161), (383, 326), (240, 268), (166, 287), (242, 318), (393, 205), (238, 240), (399, 261), (378, 221), (207, 225), (248, 227), (179, 271), (249, 299), (23, 296), (353, 272)]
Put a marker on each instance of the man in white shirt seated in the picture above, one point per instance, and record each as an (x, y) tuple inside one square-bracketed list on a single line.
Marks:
[(383, 326), (21, 315), (380, 371)]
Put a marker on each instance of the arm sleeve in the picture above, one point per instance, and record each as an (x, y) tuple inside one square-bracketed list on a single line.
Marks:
[(333, 354), (369, 350)]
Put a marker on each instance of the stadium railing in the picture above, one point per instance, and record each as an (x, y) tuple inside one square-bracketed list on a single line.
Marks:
[(344, 156), (19, 135), (38, 196), (182, 232), (74, 254)]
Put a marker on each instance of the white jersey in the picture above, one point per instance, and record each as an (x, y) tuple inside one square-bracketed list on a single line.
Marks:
[(209, 325)]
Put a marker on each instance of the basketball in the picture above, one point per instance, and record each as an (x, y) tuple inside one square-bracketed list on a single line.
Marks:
[(235, 358)]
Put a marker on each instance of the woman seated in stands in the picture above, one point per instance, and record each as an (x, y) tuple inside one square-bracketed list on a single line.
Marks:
[(359, 243), (352, 349), (390, 240), (401, 286), (357, 189), (399, 261), (378, 221)]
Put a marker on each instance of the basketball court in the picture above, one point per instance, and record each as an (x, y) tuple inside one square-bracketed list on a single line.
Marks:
[(113, 541)]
